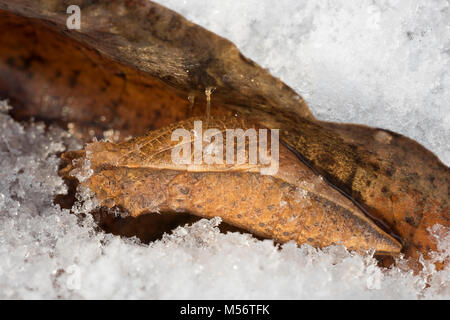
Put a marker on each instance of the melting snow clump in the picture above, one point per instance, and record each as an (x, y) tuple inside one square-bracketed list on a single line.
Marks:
[(48, 252)]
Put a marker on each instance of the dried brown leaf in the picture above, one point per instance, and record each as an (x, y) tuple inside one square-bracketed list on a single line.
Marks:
[(135, 70)]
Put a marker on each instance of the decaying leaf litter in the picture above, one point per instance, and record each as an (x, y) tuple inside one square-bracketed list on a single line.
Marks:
[(162, 58)]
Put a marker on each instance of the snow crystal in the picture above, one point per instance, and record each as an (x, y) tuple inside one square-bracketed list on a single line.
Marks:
[(375, 62), (382, 63), (48, 252)]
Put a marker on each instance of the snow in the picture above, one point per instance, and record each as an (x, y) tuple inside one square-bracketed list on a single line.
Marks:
[(375, 62)]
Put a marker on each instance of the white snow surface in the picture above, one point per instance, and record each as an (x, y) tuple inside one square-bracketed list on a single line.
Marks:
[(383, 63)]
